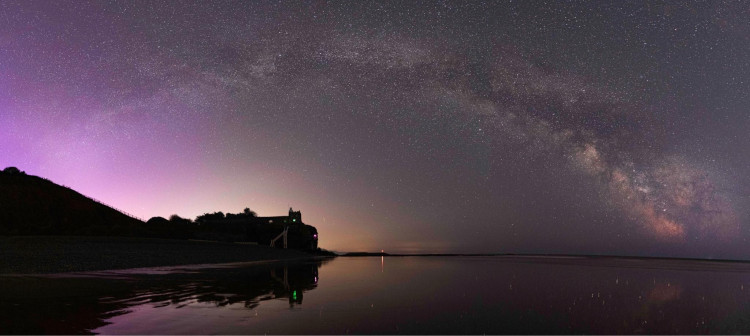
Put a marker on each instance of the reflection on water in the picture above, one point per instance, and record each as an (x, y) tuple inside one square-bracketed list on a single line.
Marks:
[(90, 302), (446, 295)]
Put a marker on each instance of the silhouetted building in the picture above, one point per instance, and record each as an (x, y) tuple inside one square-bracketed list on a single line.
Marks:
[(294, 217), (261, 230)]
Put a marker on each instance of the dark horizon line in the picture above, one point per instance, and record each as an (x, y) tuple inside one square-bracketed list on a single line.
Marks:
[(603, 256)]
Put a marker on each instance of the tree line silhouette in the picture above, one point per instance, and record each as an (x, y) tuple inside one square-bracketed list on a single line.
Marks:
[(31, 205)]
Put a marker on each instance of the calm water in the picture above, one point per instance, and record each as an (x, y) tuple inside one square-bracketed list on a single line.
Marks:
[(402, 295)]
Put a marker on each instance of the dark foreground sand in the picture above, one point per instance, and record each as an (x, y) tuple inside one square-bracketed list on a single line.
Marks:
[(51, 254)]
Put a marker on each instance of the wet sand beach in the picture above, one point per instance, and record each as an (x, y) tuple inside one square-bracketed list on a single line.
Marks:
[(55, 254)]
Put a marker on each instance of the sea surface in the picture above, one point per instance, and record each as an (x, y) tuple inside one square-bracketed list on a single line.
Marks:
[(389, 295)]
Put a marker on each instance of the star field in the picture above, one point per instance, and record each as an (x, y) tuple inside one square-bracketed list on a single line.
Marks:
[(528, 126)]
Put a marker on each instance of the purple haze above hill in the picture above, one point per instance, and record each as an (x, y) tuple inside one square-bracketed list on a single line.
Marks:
[(526, 126)]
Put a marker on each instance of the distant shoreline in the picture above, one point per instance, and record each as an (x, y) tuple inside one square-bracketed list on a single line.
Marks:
[(61, 254), (547, 255)]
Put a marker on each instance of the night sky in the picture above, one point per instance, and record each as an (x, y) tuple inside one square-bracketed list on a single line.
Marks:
[(513, 126)]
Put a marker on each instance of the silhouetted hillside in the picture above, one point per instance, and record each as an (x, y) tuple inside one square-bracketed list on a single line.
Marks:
[(31, 205)]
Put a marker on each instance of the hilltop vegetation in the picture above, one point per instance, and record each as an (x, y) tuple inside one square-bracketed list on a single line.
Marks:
[(245, 226), (31, 205)]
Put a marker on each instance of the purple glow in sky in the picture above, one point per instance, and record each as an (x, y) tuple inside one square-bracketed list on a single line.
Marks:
[(435, 127)]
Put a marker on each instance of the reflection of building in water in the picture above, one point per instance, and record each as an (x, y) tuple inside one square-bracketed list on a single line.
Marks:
[(106, 298), (295, 282)]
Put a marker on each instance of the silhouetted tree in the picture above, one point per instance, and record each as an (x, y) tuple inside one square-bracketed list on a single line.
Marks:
[(207, 217), (249, 213), (175, 219), (12, 170), (158, 221)]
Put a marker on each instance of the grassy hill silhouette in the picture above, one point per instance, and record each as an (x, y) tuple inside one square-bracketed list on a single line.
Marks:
[(49, 228), (31, 205)]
